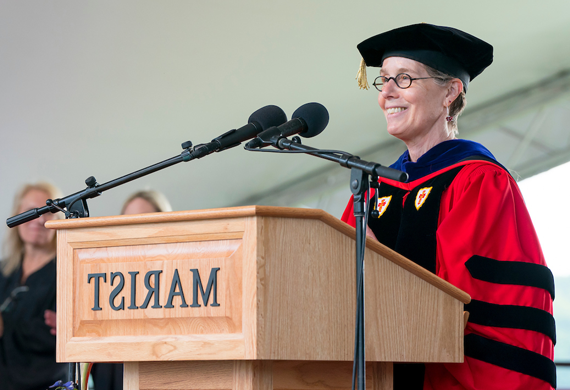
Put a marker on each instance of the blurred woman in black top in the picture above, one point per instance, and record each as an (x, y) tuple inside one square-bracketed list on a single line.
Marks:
[(27, 292)]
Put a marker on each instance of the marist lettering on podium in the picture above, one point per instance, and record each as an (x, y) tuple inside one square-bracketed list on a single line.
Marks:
[(152, 288), (144, 292)]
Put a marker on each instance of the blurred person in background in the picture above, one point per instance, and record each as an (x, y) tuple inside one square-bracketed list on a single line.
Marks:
[(28, 297), (146, 201), (109, 376)]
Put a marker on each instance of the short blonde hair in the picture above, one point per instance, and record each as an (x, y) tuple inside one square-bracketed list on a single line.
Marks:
[(458, 105), (155, 198), (13, 245)]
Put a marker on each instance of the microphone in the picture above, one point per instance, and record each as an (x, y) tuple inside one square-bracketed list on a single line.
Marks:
[(308, 121), (264, 118)]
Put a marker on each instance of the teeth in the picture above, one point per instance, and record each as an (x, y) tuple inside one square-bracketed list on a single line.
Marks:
[(395, 110)]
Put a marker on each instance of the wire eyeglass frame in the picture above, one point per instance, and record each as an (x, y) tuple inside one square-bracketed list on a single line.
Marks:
[(400, 76)]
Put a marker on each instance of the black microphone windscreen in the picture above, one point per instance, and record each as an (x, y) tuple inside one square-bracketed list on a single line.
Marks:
[(315, 115), (268, 116)]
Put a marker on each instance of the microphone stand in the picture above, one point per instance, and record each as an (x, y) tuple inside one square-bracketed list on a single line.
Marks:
[(359, 183), (75, 205)]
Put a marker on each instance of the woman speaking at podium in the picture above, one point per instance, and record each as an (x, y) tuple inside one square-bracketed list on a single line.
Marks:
[(460, 215)]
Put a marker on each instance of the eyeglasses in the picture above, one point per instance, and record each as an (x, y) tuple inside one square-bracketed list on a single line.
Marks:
[(403, 80)]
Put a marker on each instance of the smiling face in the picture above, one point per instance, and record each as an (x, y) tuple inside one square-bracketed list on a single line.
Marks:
[(415, 113), (33, 232)]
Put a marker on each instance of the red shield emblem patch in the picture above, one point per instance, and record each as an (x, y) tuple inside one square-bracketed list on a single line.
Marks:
[(422, 196), (383, 204)]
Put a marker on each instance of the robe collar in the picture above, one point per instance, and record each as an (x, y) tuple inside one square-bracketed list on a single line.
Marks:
[(440, 156)]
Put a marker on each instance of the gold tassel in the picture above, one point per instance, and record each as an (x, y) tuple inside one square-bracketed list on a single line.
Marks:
[(361, 76)]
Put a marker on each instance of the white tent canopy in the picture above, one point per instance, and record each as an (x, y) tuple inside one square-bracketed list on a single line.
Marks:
[(105, 88)]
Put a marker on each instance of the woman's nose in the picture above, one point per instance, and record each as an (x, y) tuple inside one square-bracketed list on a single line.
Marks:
[(389, 88)]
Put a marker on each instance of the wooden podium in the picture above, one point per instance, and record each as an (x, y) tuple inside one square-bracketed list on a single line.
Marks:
[(243, 298)]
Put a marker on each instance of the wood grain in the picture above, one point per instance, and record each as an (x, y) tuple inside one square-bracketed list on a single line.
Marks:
[(285, 288), (253, 277), (155, 348), (168, 258), (151, 333), (210, 375), (254, 375), (308, 303), (407, 318), (302, 375), (64, 296), (131, 376), (383, 376), (308, 300), (205, 230)]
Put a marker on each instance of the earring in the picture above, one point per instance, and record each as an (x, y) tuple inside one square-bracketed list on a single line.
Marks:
[(448, 118)]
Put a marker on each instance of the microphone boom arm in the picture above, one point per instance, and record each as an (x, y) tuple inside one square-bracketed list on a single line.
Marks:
[(76, 204), (346, 160)]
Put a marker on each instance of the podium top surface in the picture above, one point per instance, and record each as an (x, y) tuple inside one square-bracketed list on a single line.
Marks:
[(196, 215)]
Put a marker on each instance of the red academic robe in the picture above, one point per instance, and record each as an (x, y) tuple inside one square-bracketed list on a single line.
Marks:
[(486, 245)]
